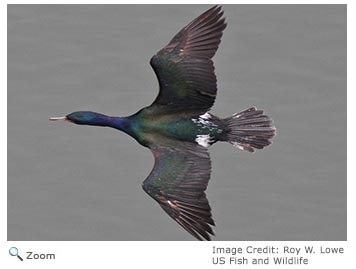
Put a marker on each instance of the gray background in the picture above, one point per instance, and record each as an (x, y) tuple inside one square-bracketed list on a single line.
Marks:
[(68, 182)]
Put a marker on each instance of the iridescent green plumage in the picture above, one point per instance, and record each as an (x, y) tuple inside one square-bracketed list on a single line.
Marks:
[(177, 128)]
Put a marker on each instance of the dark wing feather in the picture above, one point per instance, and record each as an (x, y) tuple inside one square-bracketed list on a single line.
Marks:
[(184, 67), (178, 181)]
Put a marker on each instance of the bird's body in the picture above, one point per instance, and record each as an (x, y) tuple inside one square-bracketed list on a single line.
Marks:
[(178, 128), (148, 125)]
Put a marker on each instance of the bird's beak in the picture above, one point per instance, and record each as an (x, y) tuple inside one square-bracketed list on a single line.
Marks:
[(58, 118)]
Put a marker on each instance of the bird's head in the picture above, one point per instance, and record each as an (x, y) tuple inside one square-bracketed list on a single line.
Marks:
[(84, 118)]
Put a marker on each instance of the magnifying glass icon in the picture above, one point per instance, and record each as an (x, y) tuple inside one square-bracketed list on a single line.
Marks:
[(13, 251)]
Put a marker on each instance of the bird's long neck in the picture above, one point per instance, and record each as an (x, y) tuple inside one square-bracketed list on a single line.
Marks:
[(119, 123)]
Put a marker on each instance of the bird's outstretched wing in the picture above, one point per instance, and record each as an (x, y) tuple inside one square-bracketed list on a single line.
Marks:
[(184, 67), (178, 181)]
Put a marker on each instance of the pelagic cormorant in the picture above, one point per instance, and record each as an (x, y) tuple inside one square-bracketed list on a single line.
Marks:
[(178, 128)]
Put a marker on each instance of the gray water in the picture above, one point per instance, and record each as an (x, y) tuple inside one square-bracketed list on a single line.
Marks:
[(68, 182)]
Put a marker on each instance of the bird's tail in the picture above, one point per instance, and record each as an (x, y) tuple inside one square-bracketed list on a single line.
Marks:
[(250, 129)]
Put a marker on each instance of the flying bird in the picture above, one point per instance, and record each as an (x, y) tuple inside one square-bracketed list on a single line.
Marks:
[(178, 128)]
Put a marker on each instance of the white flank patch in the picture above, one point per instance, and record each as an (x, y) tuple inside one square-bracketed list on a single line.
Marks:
[(203, 120), (205, 116), (203, 140)]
